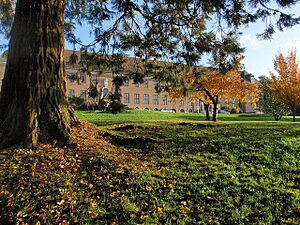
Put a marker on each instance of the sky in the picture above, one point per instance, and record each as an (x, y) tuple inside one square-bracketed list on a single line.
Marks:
[(259, 54)]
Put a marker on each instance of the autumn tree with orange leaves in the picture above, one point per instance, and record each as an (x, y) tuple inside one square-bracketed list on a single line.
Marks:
[(286, 81), (212, 87), (188, 92), (230, 86)]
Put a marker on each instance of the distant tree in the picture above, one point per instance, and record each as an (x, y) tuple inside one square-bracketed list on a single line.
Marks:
[(268, 103), (211, 86), (94, 65), (206, 103), (77, 102), (229, 86), (116, 66), (4, 54), (187, 93), (285, 83)]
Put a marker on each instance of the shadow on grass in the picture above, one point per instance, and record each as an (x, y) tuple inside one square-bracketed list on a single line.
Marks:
[(245, 169)]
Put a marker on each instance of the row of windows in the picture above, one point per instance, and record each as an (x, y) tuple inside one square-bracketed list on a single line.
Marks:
[(146, 99), (82, 79), (103, 82), (136, 99), (74, 77), (145, 83), (82, 93)]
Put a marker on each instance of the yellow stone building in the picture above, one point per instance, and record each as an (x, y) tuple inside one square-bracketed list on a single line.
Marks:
[(135, 96)]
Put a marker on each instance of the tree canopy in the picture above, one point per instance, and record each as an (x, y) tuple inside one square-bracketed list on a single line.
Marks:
[(268, 103), (285, 83), (145, 23)]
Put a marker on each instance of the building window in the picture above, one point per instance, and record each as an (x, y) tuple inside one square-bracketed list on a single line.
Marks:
[(146, 99), (137, 85), (126, 98), (181, 103), (154, 83), (136, 98), (165, 100), (83, 78), (155, 99), (146, 83), (83, 94), (72, 78), (71, 93), (126, 82)]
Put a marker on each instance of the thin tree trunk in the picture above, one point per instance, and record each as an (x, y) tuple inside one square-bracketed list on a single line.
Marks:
[(214, 112), (294, 115), (215, 109), (33, 102), (206, 107), (277, 117)]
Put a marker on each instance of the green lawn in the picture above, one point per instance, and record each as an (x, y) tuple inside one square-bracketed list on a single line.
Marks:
[(158, 168), (208, 173), (101, 118)]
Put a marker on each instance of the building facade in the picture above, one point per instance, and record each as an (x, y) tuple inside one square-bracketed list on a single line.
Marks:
[(135, 96), (2, 70)]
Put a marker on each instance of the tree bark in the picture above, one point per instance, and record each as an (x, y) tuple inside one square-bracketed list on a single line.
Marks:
[(277, 116), (33, 101), (294, 115), (206, 107), (215, 108), (214, 112)]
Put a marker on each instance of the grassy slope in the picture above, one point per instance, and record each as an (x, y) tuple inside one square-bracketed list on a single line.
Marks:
[(158, 168), (224, 173)]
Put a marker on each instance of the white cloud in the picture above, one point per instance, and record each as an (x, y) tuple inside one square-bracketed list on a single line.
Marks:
[(250, 40)]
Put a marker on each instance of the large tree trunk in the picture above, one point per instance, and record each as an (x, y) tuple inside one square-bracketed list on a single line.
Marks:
[(33, 102)]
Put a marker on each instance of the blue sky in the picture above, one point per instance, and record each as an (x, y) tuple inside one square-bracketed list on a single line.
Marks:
[(259, 54)]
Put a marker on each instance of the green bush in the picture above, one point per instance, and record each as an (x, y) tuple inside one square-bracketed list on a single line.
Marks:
[(227, 108), (117, 107), (234, 110), (77, 102)]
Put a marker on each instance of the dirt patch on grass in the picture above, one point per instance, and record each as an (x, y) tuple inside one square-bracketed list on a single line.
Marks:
[(143, 143)]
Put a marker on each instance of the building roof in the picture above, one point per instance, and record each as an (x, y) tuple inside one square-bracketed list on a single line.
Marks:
[(130, 65)]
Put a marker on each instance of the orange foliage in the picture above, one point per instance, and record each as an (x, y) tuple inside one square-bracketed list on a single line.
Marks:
[(286, 85), (215, 85), (230, 86), (7, 6)]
